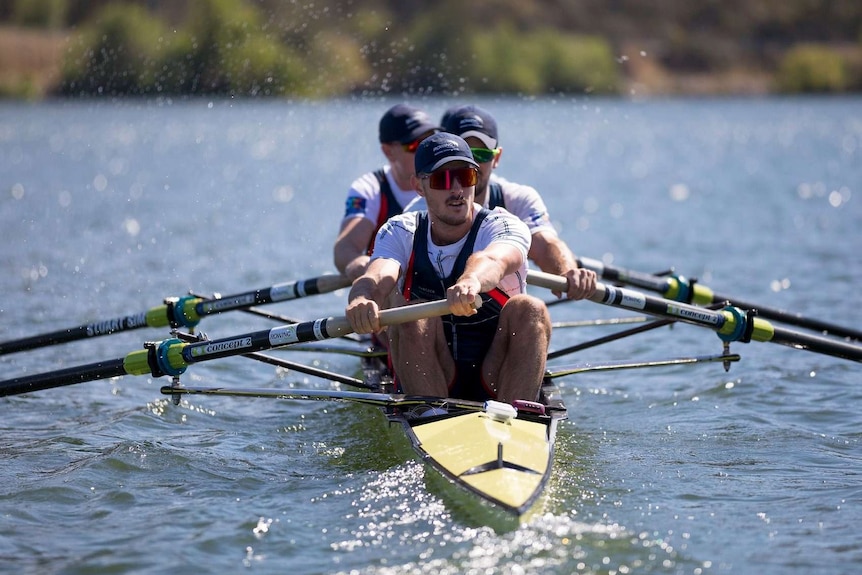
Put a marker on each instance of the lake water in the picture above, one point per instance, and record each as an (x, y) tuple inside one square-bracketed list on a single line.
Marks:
[(107, 208)]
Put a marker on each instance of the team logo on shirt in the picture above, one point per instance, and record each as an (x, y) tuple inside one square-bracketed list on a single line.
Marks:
[(540, 218), (354, 206)]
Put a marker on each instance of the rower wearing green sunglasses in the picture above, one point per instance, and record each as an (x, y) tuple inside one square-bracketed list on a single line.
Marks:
[(550, 253)]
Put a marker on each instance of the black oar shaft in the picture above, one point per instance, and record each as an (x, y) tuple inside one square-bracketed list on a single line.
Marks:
[(816, 343), (789, 318), (307, 331), (680, 289), (172, 356), (638, 279), (298, 367), (273, 294), (181, 312), (89, 330), (70, 376), (731, 324)]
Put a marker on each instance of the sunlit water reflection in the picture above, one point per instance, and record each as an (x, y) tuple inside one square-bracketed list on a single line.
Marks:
[(109, 207)]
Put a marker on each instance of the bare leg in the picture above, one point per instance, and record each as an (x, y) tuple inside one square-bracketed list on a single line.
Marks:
[(515, 364), (421, 358)]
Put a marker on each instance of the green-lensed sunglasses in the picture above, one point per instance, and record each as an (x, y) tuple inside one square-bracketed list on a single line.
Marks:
[(483, 155)]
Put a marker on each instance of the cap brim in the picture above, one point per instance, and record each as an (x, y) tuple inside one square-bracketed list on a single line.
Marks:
[(416, 132), (489, 142), (448, 160)]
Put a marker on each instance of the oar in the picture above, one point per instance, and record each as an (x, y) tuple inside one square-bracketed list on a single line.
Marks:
[(724, 358), (368, 398), (185, 311), (298, 367), (680, 289), (286, 319), (599, 322), (731, 323), (614, 337), (173, 356), (342, 350)]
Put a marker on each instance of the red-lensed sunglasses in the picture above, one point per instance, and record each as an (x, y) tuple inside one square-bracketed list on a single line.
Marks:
[(411, 147), (445, 179)]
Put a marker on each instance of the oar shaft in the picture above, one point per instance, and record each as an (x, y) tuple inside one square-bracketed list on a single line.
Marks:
[(185, 311), (314, 330), (172, 356), (273, 294), (638, 279), (70, 376), (95, 329), (680, 289), (789, 317), (816, 343), (731, 324)]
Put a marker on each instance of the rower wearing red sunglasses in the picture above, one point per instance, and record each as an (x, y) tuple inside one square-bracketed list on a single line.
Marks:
[(547, 250), (376, 196), (459, 251)]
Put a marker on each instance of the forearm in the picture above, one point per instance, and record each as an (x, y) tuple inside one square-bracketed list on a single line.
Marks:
[(486, 269), (366, 289), (554, 257), (551, 254), (351, 264), (376, 284), (350, 252)]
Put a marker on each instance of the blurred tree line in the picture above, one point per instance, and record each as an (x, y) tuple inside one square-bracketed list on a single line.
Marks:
[(327, 48)]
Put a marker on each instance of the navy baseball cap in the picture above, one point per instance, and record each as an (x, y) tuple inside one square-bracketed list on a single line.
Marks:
[(404, 124), (448, 113), (440, 149), (472, 121)]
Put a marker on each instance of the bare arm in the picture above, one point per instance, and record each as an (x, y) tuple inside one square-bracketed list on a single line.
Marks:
[(369, 293), (351, 246), (483, 272), (553, 256)]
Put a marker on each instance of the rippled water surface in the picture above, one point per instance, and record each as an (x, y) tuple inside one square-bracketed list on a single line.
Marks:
[(107, 208)]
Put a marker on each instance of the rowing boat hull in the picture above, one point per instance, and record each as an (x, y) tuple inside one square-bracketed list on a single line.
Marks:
[(505, 465), (493, 469)]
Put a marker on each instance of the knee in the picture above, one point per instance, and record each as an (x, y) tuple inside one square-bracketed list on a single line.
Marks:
[(528, 310)]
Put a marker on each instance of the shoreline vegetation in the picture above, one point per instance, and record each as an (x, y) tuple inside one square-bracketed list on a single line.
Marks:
[(266, 48)]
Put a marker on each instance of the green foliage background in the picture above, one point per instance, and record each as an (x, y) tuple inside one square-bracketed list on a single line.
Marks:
[(335, 47)]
